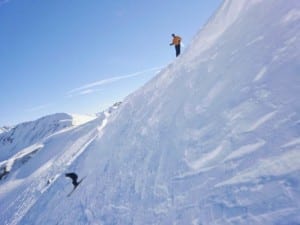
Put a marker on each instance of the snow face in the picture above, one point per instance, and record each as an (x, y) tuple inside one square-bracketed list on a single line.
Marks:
[(213, 139)]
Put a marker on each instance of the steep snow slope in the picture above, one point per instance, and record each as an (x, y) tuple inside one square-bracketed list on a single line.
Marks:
[(213, 139)]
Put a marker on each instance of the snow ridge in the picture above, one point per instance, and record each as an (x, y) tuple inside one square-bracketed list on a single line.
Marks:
[(34, 169)]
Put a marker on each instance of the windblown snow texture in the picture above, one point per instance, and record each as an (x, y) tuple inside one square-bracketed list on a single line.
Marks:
[(213, 139)]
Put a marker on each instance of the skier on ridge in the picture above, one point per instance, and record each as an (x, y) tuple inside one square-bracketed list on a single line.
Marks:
[(176, 42)]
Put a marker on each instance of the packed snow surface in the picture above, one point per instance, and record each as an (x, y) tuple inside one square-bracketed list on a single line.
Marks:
[(214, 138)]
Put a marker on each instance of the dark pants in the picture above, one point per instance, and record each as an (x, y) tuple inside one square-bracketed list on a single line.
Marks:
[(177, 49)]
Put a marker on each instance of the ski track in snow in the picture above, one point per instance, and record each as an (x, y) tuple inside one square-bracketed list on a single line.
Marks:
[(244, 150), (292, 16), (276, 166), (205, 159), (261, 121), (211, 96), (292, 143), (260, 38), (261, 73)]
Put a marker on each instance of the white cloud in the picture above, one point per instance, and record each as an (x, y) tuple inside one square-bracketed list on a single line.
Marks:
[(83, 92), (87, 89)]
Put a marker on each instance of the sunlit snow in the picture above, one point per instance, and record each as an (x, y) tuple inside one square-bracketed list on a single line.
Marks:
[(212, 139)]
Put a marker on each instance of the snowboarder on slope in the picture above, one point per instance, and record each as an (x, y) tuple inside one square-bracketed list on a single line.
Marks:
[(176, 42)]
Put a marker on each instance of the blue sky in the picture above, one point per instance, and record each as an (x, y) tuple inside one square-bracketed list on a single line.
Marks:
[(81, 56)]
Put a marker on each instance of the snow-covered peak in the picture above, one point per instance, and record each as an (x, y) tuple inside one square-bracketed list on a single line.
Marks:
[(28, 133), (4, 129), (22, 142)]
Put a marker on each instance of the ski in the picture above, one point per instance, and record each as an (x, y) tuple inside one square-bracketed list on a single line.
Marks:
[(75, 187)]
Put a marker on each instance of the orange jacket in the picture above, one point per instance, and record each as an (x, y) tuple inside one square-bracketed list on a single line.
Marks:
[(176, 40)]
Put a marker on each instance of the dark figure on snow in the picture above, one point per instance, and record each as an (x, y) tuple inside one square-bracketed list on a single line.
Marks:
[(176, 42), (74, 178)]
